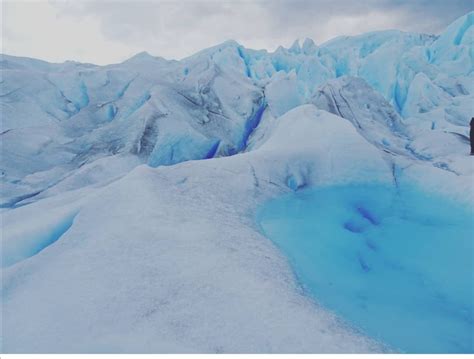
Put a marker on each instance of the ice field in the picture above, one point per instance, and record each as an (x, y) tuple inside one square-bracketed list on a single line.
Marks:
[(314, 199)]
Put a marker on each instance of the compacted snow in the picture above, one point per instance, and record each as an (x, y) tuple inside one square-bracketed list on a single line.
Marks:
[(131, 196)]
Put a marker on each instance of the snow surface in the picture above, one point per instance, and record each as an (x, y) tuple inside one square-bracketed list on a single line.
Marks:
[(129, 190)]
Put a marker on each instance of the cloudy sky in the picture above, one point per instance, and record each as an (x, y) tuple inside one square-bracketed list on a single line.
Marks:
[(105, 32)]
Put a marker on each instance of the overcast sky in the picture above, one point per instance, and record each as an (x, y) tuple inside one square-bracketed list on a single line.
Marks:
[(104, 32)]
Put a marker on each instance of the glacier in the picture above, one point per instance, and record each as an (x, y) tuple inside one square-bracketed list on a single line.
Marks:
[(132, 188)]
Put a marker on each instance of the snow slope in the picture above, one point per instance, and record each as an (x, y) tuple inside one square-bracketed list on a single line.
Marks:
[(129, 190), (173, 257)]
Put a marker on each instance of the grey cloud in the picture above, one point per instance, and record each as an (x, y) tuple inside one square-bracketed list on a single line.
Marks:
[(174, 29), (185, 25)]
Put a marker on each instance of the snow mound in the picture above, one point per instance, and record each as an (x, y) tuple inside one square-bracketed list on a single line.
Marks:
[(176, 252)]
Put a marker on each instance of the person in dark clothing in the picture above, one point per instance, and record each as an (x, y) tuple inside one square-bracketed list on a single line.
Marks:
[(471, 135)]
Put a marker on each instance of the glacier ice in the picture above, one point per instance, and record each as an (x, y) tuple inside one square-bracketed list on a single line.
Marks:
[(75, 113), (130, 188), (166, 247)]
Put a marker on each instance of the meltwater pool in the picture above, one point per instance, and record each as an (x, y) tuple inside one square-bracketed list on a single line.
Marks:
[(397, 264)]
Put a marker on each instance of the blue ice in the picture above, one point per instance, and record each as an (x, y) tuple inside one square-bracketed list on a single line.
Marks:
[(15, 251), (395, 263)]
